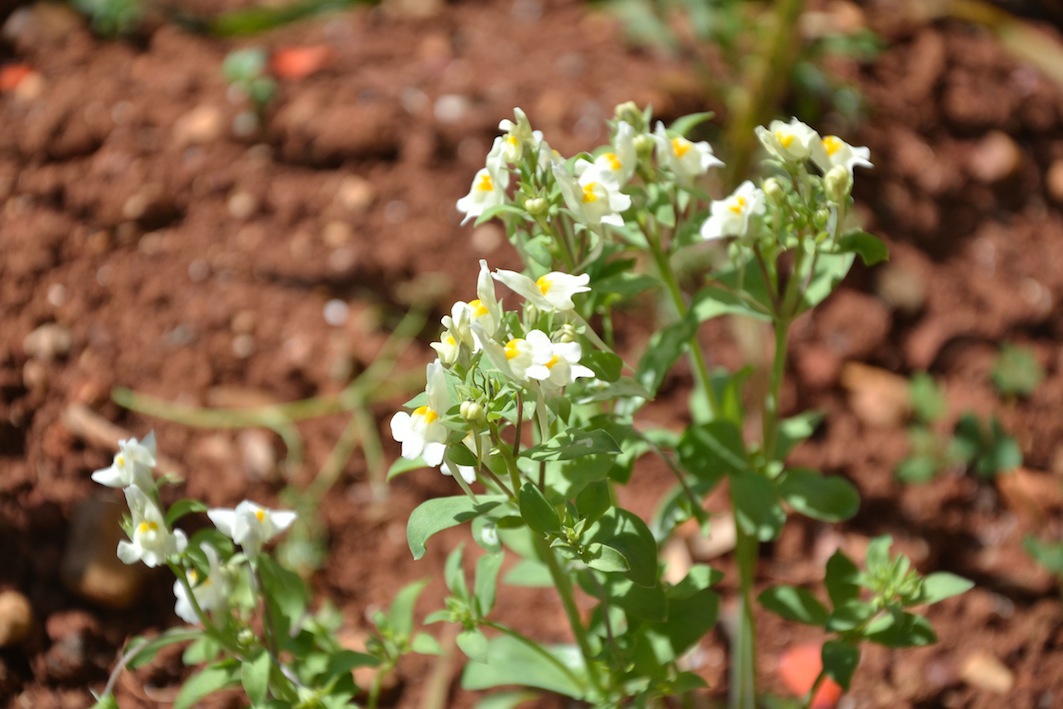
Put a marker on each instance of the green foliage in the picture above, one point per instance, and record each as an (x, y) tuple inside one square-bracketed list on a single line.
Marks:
[(1017, 371), (114, 18)]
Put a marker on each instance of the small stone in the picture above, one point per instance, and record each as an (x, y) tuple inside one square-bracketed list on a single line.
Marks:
[(243, 346), (203, 124), (337, 234), (256, 450), (983, 671), (34, 374), (90, 567), (47, 342), (1054, 180), (901, 288), (877, 397), (487, 237), (994, 158), (335, 312), (41, 23), (355, 194), (16, 618), (451, 108), (242, 205)]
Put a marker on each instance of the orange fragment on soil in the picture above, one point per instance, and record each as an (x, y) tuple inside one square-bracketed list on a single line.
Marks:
[(11, 75), (299, 62), (798, 668)]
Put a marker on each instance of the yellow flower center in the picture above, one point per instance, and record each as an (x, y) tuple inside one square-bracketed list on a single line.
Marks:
[(260, 515), (478, 308), (192, 576), (545, 284), (739, 205), (451, 341), (832, 144), (485, 184), (513, 348), (553, 360), (120, 461), (428, 414), (785, 139), (512, 140), (614, 162), (680, 146), (147, 526), (589, 192)]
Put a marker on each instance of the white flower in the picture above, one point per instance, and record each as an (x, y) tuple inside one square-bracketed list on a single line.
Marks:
[(790, 142), (730, 216), (620, 162), (422, 433), (485, 310), (552, 292), (555, 364), (488, 190), (132, 465), (251, 525), (457, 335), (832, 151), (519, 138), (592, 195), (210, 593), (152, 542), (684, 158)]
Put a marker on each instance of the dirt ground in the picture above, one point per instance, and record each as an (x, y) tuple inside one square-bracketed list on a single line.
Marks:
[(143, 245)]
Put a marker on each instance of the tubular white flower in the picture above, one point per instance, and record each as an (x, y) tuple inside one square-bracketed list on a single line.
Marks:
[(730, 216), (593, 196), (251, 525), (519, 138), (132, 465), (422, 433), (832, 151), (457, 335), (555, 364), (552, 292), (685, 159), (488, 190), (791, 142), (152, 542), (211, 593), (620, 162)]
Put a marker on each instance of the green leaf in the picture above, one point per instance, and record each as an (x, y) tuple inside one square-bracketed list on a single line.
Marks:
[(1017, 371), (487, 568), (828, 498), (454, 574), (757, 509), (849, 615), (665, 347), (638, 602), (625, 532), (537, 511), (573, 444), (507, 700), (605, 558), (402, 466), (181, 508), (713, 449), (474, 644), (907, 630), (208, 680), (841, 579), (868, 247), (514, 663), (796, 604), (712, 302), (840, 660), (530, 574), (440, 513), (941, 585), (685, 124), (594, 500), (425, 644), (692, 611), (795, 430), (146, 650), (287, 592), (605, 365), (1048, 555), (200, 652), (830, 270), (254, 675), (877, 559), (400, 612)]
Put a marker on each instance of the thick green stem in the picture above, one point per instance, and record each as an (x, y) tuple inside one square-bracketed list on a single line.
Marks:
[(770, 423), (744, 656), (568, 600)]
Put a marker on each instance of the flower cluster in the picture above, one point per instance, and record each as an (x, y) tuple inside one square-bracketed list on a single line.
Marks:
[(486, 359), (153, 541)]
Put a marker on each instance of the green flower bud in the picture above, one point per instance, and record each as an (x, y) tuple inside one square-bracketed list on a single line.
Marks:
[(567, 333), (643, 145), (537, 206), (472, 411), (629, 113), (838, 183), (773, 190)]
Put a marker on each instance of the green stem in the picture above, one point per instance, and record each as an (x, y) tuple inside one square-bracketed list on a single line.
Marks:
[(744, 656), (807, 701), (770, 422), (532, 645), (568, 600)]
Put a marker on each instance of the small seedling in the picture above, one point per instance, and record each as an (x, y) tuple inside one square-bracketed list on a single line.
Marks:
[(1017, 371), (247, 71)]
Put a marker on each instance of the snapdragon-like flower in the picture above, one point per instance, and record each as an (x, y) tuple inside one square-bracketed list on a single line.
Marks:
[(832, 151), (488, 190), (422, 433), (685, 159), (132, 465), (555, 364), (791, 142), (520, 140), (212, 592), (251, 525), (551, 293), (620, 162), (730, 216), (457, 334), (151, 540), (592, 195)]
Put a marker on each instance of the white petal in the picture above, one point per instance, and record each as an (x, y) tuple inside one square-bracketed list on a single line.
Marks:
[(128, 553), (282, 519), (224, 520)]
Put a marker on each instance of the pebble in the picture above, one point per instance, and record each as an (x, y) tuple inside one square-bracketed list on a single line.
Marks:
[(335, 312), (337, 234), (1054, 180), (355, 194), (994, 158), (242, 205), (256, 450), (89, 567), (983, 671), (203, 124), (901, 288), (47, 342), (40, 23), (877, 397), (16, 618)]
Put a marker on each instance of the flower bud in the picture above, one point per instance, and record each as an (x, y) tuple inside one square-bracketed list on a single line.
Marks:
[(629, 113), (472, 411), (838, 183), (643, 145), (567, 333), (773, 190), (537, 206)]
